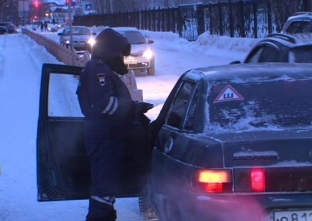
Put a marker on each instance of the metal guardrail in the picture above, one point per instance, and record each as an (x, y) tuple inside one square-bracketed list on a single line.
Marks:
[(62, 53)]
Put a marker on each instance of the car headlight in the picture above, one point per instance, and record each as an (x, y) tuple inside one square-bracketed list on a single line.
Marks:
[(67, 41), (91, 41), (148, 54)]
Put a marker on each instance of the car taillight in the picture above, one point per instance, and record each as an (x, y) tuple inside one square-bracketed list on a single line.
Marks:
[(214, 181), (257, 176)]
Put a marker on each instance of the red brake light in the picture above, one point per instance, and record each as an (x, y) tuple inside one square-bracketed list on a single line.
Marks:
[(257, 176), (214, 181)]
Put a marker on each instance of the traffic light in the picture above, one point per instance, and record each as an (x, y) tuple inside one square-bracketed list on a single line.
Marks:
[(36, 4), (70, 3)]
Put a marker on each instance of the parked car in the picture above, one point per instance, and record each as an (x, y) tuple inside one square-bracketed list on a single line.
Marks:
[(10, 26), (300, 22), (281, 48), (3, 30), (83, 39), (55, 27), (141, 56), (231, 142)]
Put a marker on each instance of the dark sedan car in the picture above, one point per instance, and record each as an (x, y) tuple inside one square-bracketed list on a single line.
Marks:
[(231, 142), (282, 48), (3, 30), (12, 29)]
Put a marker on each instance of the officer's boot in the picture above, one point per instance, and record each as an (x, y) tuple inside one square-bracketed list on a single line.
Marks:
[(100, 210)]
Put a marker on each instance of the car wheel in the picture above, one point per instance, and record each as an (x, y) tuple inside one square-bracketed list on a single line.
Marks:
[(145, 206), (151, 71)]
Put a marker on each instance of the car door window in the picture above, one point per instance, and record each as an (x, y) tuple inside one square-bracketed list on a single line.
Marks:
[(307, 27), (180, 106), (264, 53), (254, 57), (269, 54), (63, 101), (190, 116)]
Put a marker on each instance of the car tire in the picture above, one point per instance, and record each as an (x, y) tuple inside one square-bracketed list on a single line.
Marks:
[(151, 71), (145, 206)]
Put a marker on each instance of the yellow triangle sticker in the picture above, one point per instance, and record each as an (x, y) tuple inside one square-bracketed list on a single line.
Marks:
[(228, 94)]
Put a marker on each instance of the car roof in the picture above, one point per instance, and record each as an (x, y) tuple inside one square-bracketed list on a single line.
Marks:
[(76, 26), (125, 29), (300, 16), (290, 41), (254, 71), (6, 23)]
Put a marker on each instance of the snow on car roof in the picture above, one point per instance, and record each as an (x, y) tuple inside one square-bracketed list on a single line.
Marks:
[(125, 28)]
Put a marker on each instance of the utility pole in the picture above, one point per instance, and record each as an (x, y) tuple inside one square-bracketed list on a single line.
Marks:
[(71, 30)]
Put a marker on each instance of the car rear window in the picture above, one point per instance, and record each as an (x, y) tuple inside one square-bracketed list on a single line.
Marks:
[(272, 104)]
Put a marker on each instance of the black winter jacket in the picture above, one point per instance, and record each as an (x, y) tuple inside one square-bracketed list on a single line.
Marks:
[(104, 99)]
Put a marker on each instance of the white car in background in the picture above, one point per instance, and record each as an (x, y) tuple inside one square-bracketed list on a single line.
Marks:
[(83, 39), (141, 56), (299, 23)]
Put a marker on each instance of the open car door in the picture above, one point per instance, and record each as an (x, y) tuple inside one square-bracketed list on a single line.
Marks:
[(63, 171)]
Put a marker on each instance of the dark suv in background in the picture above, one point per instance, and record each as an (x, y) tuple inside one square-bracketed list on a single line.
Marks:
[(12, 29)]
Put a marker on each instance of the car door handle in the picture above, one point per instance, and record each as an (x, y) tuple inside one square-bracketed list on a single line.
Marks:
[(168, 145)]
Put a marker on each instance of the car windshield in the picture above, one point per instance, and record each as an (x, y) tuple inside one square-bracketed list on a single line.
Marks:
[(134, 37), (253, 105), (302, 54)]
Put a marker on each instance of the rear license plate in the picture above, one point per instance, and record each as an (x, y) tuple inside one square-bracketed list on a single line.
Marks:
[(294, 215)]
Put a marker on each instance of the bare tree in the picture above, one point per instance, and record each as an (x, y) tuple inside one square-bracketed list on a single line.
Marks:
[(3, 4)]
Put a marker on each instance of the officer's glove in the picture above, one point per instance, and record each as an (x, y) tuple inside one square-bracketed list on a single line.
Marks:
[(142, 107)]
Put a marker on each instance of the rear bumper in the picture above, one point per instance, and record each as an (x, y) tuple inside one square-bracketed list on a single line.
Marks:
[(247, 207)]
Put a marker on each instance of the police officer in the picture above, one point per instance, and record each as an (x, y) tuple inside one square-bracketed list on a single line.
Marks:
[(109, 112)]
